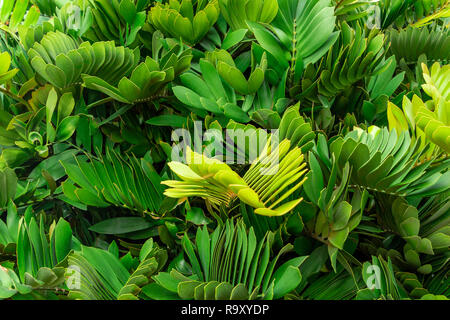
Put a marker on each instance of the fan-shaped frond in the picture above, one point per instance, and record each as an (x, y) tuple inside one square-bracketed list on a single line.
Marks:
[(189, 20), (230, 264), (61, 61), (411, 43)]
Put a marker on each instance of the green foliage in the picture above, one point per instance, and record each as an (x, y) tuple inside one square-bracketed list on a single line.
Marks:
[(41, 262), (224, 149), (14, 12), (427, 235), (384, 286), (230, 264), (353, 57), (188, 20), (113, 180), (384, 161), (116, 20), (104, 277), (264, 185), (8, 184), (428, 120), (5, 73), (238, 12), (417, 12), (35, 132), (300, 35), (147, 80), (227, 69), (410, 43), (61, 61)]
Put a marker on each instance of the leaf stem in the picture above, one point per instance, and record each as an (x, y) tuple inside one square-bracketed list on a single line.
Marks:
[(15, 97)]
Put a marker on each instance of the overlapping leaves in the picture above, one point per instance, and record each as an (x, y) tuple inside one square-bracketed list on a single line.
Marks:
[(386, 162), (189, 20), (61, 61), (112, 180), (230, 264)]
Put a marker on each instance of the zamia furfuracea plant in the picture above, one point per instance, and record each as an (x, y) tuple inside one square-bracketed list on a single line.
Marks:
[(147, 80), (431, 119), (189, 20), (226, 66), (118, 20), (224, 150), (353, 57), (271, 179), (5, 63), (238, 12), (410, 43), (250, 272)]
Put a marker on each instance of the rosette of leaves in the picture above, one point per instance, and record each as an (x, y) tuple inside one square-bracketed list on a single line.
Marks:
[(352, 58), (222, 89), (116, 20), (436, 123), (238, 12), (103, 276), (229, 264), (189, 20), (264, 185), (434, 128), (387, 162), (112, 180), (301, 34), (61, 61), (147, 80), (436, 85), (225, 65), (410, 43)]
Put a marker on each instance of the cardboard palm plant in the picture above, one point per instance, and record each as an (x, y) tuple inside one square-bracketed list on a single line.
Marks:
[(264, 186), (224, 149)]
